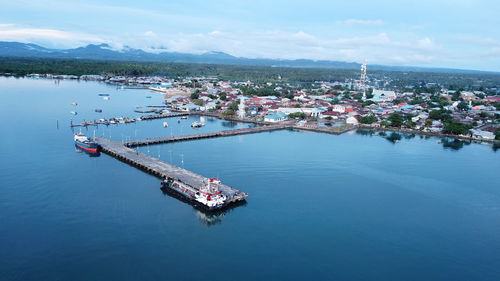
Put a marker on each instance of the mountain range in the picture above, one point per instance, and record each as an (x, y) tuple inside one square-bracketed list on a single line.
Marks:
[(105, 52)]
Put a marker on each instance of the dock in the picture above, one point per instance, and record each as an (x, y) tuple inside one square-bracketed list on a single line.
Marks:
[(163, 170), (164, 115), (225, 133)]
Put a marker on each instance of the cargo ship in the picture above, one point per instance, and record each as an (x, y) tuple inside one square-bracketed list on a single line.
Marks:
[(208, 197), (82, 142)]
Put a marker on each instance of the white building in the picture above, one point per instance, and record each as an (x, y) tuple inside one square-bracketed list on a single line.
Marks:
[(482, 134), (313, 112), (351, 120), (383, 96)]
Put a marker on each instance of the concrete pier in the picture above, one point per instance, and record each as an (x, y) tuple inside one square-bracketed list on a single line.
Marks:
[(225, 133), (164, 170)]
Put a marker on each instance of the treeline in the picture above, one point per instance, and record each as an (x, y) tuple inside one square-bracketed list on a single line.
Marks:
[(306, 76), (23, 66)]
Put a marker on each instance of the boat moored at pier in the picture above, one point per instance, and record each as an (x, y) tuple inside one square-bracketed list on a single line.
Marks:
[(208, 197), (84, 143)]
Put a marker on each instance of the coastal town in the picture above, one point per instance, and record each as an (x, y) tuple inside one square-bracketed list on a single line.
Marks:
[(329, 105)]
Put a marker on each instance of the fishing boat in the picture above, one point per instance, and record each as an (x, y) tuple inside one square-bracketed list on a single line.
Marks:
[(165, 124), (84, 143)]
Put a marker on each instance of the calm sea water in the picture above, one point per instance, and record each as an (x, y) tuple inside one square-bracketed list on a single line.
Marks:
[(321, 207)]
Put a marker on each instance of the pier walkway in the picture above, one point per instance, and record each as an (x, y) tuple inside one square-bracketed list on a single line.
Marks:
[(164, 170), (225, 133), (164, 115)]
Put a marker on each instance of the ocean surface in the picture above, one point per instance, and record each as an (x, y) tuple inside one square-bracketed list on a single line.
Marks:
[(321, 207)]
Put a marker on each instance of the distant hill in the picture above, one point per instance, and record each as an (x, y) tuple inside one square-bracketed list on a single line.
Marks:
[(105, 52)]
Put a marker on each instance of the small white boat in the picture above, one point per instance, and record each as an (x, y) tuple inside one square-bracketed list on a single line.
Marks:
[(184, 117), (74, 103), (165, 124), (105, 98), (73, 112), (197, 124)]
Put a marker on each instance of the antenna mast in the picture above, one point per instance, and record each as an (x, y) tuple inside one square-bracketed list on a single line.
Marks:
[(363, 80)]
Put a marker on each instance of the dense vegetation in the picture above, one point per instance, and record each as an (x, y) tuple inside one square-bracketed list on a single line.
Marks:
[(23, 66), (422, 81)]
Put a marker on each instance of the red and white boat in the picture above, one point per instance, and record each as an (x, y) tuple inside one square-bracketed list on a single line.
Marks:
[(210, 195)]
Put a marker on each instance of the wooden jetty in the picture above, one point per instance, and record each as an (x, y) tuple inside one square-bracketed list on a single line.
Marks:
[(161, 169), (225, 133), (164, 115)]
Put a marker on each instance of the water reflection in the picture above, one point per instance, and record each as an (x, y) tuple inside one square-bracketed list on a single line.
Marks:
[(454, 144), (394, 137), (364, 132), (496, 146), (409, 136), (229, 124)]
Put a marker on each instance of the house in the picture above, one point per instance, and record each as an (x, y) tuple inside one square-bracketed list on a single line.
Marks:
[(492, 99), (188, 107), (275, 117), (468, 96), (332, 114), (480, 134), (338, 108), (209, 106), (383, 96)]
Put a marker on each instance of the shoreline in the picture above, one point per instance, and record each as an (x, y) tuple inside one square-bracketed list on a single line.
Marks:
[(432, 134), (331, 130)]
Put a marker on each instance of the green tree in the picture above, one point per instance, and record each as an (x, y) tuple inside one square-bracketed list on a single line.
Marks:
[(195, 95), (300, 115), (395, 119), (462, 106), (442, 115), (233, 106), (198, 102), (228, 113), (456, 128), (409, 124), (368, 119)]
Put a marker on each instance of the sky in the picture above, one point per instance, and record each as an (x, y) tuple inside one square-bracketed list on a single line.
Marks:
[(438, 33)]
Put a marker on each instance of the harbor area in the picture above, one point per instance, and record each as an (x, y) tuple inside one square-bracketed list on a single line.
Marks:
[(189, 182)]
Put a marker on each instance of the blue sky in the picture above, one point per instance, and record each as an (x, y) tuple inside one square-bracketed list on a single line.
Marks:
[(457, 34)]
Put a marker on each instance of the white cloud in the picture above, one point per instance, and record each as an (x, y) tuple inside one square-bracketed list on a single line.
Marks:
[(361, 22), (377, 48), (9, 32)]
